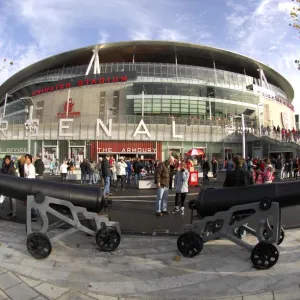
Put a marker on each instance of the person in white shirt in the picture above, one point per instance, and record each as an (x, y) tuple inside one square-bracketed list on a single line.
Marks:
[(29, 169), (64, 171), (121, 173), (29, 172)]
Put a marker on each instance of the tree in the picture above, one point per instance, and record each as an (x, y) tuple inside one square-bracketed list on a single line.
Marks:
[(5, 64), (296, 22)]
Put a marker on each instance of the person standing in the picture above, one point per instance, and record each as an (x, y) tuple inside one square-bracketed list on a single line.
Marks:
[(128, 171), (51, 167), (30, 173), (181, 187), (64, 171), (137, 168), (214, 165), (121, 173), (206, 169), (279, 166), (162, 178), (84, 170), (268, 171), (106, 174), (295, 167), (39, 167), (9, 169), (93, 170), (21, 163)]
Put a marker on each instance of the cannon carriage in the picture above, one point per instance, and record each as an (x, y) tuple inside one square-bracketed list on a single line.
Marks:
[(231, 212), (79, 207)]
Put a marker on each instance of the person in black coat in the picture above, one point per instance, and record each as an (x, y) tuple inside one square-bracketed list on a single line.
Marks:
[(84, 171), (206, 169), (106, 173), (239, 176), (8, 168)]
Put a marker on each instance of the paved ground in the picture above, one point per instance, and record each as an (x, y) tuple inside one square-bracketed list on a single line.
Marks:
[(142, 268)]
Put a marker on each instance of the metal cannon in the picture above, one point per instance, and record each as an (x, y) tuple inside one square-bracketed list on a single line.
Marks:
[(231, 212), (77, 206)]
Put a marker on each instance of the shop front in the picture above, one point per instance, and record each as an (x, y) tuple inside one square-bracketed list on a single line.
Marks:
[(77, 152), (13, 148), (145, 150)]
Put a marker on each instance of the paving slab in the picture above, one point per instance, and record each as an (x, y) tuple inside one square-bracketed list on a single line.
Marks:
[(50, 291), (21, 291), (145, 268)]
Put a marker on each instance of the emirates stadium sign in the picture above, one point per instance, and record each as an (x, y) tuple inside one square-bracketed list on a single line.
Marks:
[(83, 81)]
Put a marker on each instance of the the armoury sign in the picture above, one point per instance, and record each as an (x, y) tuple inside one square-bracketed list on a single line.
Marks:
[(84, 81), (65, 130)]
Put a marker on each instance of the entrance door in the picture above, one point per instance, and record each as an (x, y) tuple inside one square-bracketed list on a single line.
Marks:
[(77, 154)]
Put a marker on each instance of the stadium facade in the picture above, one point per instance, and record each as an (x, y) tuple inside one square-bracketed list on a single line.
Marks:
[(145, 98)]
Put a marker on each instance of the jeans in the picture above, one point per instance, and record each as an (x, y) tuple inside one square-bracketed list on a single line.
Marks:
[(162, 194), (83, 178), (137, 178), (92, 177), (120, 178), (128, 177), (106, 190)]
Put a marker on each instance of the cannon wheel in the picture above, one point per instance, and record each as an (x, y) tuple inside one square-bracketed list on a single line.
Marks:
[(281, 237), (39, 245), (108, 239), (190, 244), (264, 255)]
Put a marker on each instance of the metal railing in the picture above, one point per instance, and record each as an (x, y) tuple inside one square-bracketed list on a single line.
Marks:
[(156, 70)]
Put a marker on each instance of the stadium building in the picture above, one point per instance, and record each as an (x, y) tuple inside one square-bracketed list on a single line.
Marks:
[(146, 99)]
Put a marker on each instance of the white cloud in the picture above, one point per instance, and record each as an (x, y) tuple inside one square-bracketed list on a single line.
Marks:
[(103, 37), (169, 34), (265, 35)]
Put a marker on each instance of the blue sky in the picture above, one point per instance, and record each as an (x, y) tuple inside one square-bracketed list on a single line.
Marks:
[(34, 29)]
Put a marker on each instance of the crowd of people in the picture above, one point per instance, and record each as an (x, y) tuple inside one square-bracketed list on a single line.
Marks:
[(279, 133), (26, 167)]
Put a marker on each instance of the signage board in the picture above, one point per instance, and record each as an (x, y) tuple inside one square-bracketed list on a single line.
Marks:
[(83, 81)]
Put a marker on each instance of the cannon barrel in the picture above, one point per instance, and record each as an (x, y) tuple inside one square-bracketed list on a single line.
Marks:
[(211, 201), (20, 188)]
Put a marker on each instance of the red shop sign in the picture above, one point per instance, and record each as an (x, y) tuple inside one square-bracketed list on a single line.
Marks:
[(126, 147)]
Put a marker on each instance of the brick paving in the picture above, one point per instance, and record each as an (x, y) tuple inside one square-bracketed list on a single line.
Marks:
[(142, 268)]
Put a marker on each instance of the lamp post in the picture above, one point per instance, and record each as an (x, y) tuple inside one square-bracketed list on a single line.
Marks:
[(29, 126), (5, 102)]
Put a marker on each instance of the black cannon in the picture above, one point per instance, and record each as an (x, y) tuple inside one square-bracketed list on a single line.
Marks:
[(77, 206), (231, 212)]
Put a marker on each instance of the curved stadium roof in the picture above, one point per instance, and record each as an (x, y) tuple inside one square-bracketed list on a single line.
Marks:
[(155, 51)]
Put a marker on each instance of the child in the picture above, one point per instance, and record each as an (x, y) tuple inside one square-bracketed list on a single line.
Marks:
[(181, 187)]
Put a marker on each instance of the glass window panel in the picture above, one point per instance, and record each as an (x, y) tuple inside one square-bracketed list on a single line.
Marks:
[(189, 72), (171, 71), (145, 70), (151, 73), (201, 74), (138, 69), (194, 73), (164, 70), (157, 70)]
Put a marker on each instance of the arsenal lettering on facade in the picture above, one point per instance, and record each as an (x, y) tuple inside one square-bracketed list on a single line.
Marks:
[(67, 85)]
